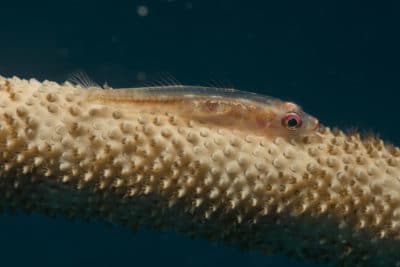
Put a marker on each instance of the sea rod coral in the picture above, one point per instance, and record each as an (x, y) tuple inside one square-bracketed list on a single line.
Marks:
[(220, 164)]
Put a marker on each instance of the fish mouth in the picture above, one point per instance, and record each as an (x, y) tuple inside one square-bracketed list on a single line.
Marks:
[(316, 124)]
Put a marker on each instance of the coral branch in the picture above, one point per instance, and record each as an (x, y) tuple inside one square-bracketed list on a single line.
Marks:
[(324, 195)]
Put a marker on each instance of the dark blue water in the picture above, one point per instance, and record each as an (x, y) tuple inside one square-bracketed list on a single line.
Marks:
[(340, 61)]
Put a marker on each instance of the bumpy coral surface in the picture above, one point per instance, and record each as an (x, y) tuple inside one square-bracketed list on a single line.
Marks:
[(211, 167)]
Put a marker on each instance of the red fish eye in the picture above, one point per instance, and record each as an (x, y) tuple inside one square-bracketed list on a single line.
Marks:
[(291, 121)]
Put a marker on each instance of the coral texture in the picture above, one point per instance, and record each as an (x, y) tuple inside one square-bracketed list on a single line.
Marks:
[(322, 195)]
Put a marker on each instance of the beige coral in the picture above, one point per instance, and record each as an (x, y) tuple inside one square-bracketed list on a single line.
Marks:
[(324, 196)]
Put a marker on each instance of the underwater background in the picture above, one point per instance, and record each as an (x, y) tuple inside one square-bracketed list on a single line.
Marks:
[(339, 60)]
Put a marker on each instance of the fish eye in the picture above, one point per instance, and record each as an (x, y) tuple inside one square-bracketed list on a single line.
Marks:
[(291, 121)]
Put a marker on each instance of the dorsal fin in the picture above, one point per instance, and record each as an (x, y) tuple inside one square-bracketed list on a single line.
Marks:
[(81, 79), (193, 91)]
